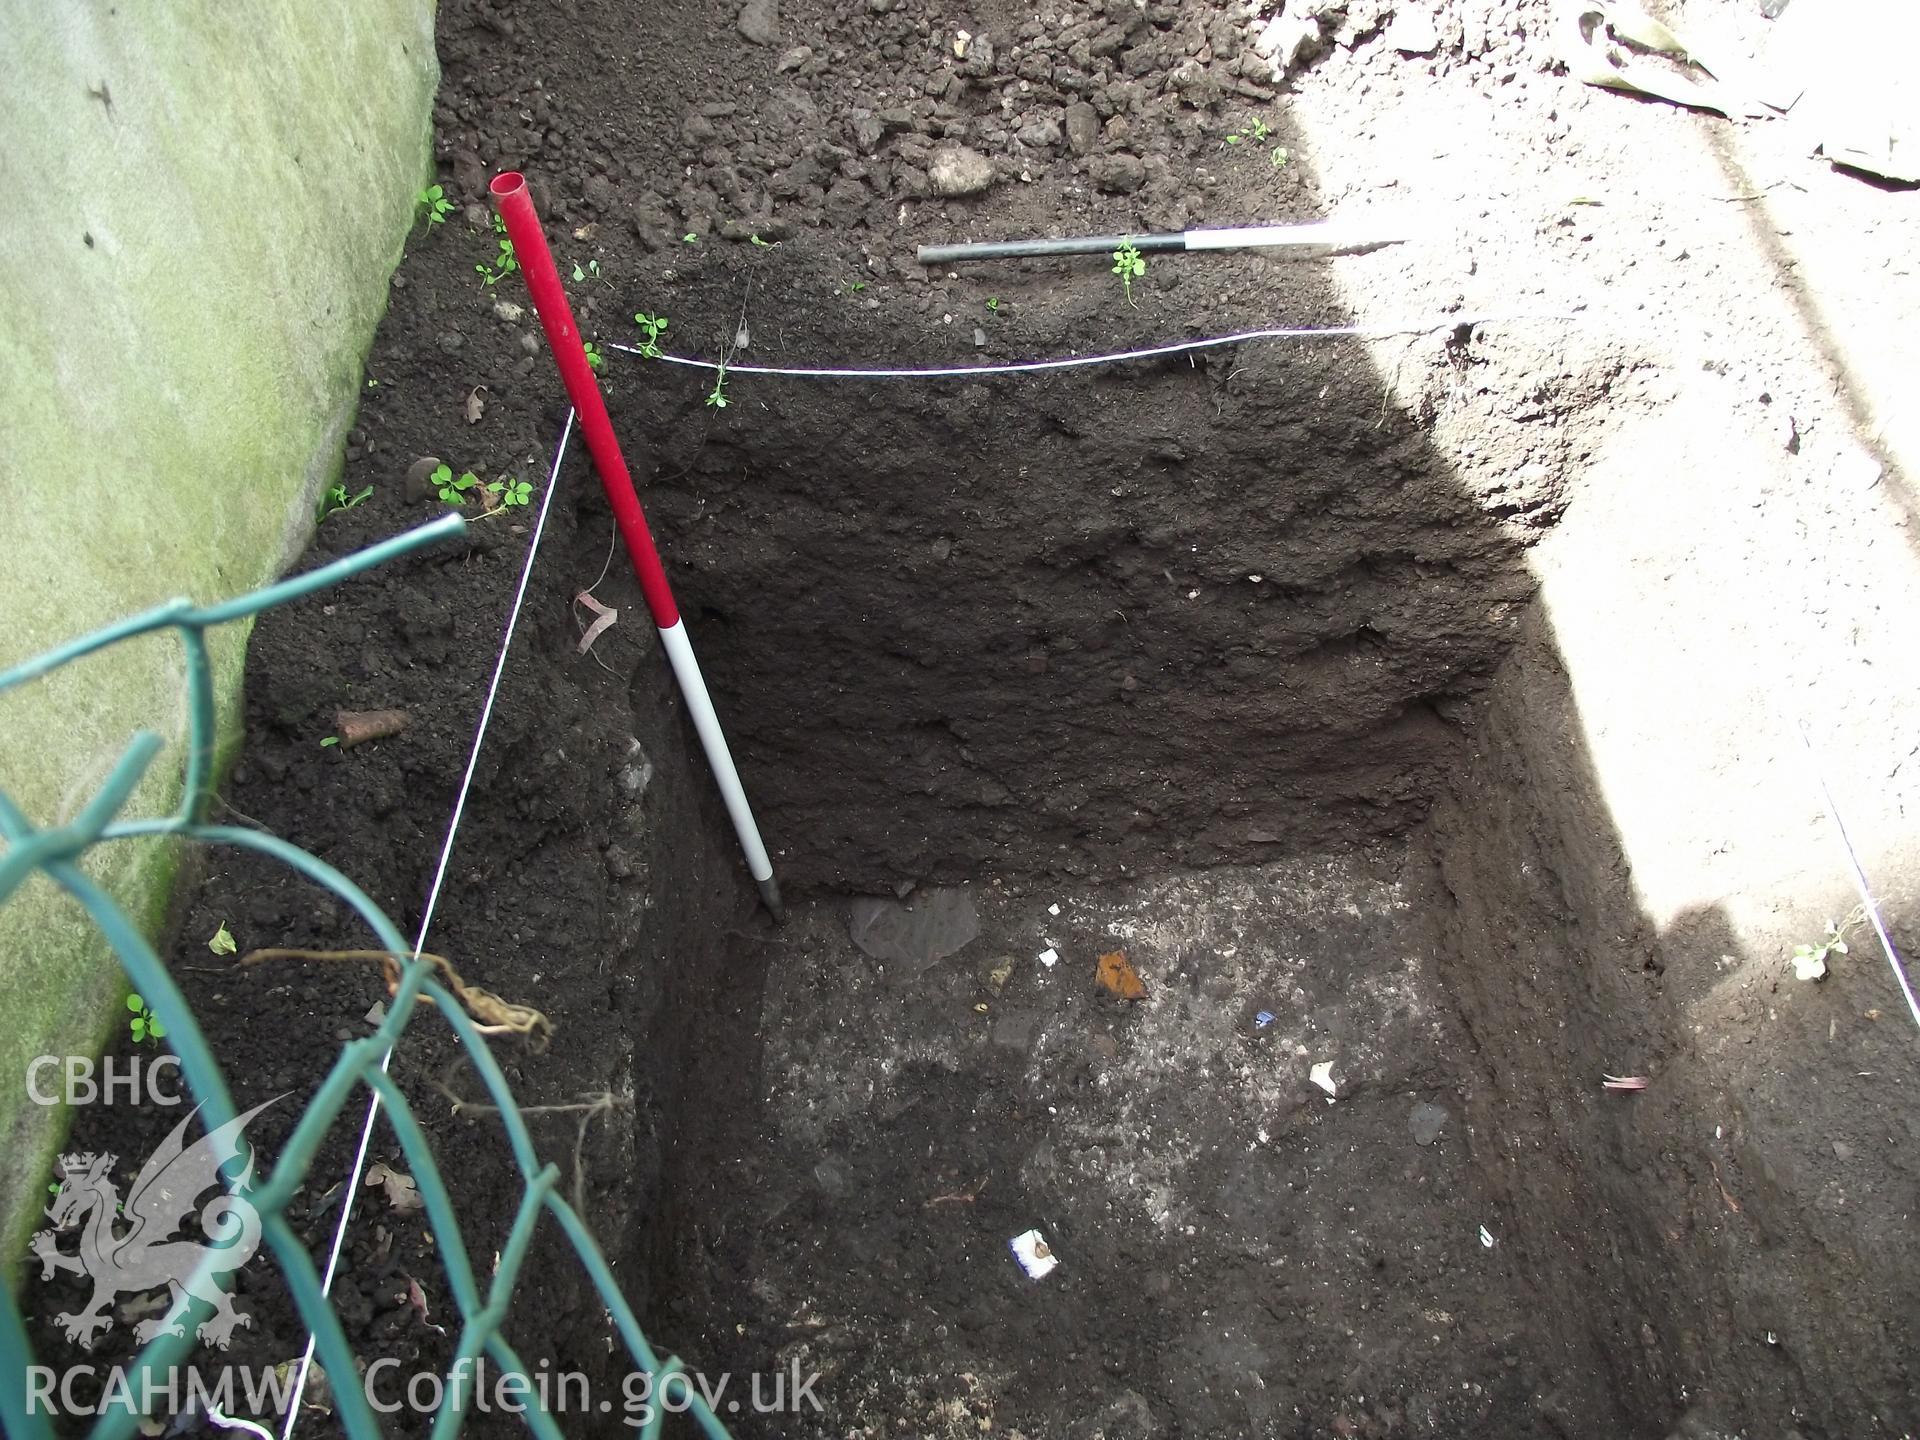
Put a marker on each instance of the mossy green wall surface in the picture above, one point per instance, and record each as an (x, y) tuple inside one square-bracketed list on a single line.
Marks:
[(203, 203)]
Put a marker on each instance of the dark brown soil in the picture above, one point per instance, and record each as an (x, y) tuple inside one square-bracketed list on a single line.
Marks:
[(1050, 637)]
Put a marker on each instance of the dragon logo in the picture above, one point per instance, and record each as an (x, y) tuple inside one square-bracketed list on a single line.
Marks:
[(132, 1247)]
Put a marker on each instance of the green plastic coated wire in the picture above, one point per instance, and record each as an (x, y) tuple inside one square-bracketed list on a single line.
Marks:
[(56, 851)]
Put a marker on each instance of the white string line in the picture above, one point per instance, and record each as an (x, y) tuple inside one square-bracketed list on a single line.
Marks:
[(433, 899), (1867, 902), (1328, 332)]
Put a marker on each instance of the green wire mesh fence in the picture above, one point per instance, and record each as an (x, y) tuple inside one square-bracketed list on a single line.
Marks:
[(55, 852)]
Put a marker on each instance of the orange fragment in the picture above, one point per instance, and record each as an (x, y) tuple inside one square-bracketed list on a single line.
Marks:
[(1120, 977)]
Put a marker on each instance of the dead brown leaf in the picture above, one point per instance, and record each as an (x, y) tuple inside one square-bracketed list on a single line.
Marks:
[(417, 1302), (402, 1194), (476, 404), (607, 615)]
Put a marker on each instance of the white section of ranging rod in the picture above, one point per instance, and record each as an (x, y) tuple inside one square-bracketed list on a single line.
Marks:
[(1332, 234), (686, 669)]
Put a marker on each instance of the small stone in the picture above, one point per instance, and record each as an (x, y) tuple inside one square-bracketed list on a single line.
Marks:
[(868, 132), (1842, 1150), (1118, 174), (1426, 1122), (1038, 134), (1194, 84), (979, 338), (419, 484), (760, 21), (957, 171), (1288, 39), (793, 59), (508, 311), (1413, 33), (832, 1176), (1083, 128), (451, 340), (883, 7)]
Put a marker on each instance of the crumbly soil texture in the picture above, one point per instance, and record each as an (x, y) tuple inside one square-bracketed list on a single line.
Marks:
[(1225, 661)]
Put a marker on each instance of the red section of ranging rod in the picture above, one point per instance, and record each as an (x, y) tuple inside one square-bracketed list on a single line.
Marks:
[(515, 204), (563, 338)]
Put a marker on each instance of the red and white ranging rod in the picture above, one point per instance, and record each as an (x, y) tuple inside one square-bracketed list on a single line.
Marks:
[(515, 204)]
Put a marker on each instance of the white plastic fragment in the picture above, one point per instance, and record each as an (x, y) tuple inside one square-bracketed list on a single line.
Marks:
[(1322, 1075), (1486, 1237), (1053, 909), (1035, 1256), (1049, 957)]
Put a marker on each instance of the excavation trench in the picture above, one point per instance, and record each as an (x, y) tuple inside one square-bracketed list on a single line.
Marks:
[(1185, 660), (1230, 664)]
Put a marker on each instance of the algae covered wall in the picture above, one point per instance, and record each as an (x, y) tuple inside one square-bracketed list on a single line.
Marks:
[(203, 205)]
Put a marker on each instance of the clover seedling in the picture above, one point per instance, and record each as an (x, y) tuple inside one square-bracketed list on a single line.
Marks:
[(504, 263), (433, 202), (594, 357), (144, 1024), (511, 492), (336, 500), (1810, 961), (655, 326), (1129, 264), (453, 488), (590, 271), (717, 397)]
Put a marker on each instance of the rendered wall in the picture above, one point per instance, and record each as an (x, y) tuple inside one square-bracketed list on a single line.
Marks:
[(203, 203)]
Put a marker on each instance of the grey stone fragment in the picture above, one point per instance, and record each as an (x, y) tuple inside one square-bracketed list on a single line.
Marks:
[(1118, 174), (957, 171), (760, 21), (1426, 1122), (918, 933), (1038, 134), (1083, 128)]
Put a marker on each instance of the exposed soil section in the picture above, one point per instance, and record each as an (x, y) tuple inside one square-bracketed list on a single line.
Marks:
[(1065, 641), (1089, 625)]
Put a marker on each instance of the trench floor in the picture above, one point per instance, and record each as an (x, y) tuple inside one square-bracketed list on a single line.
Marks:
[(1238, 1252)]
